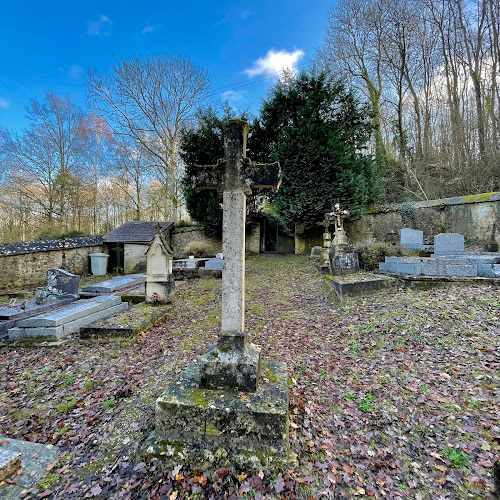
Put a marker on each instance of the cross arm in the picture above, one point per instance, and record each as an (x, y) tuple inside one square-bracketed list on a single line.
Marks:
[(207, 177)]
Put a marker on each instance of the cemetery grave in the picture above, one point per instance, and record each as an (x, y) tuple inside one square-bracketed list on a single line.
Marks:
[(394, 395), (448, 260), (341, 271)]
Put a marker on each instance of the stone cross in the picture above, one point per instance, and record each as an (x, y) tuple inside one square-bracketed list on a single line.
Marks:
[(338, 214), (326, 223), (234, 362)]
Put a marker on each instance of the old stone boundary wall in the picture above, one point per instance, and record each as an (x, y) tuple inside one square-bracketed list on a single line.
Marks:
[(25, 264), (183, 236), (476, 217)]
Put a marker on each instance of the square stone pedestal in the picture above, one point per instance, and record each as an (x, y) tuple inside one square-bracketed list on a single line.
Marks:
[(232, 363), (215, 418)]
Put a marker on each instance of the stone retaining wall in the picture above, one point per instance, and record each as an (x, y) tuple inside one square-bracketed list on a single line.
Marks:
[(472, 216), (24, 264)]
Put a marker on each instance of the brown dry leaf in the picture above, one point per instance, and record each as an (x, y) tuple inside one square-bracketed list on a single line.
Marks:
[(442, 480), (442, 468), (173, 496), (242, 476), (179, 477), (348, 469), (440, 399)]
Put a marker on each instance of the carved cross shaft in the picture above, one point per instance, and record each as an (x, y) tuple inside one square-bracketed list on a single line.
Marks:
[(235, 176)]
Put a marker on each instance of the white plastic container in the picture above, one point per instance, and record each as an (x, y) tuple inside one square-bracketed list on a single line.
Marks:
[(99, 263)]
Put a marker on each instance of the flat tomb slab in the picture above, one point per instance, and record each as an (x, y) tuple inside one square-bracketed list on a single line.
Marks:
[(10, 462), (355, 285), (116, 283), (35, 459), (32, 309), (72, 312), (134, 320), (238, 421), (61, 331)]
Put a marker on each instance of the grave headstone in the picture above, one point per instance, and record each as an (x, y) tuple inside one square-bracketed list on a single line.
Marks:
[(412, 239), (448, 243), (233, 363), (159, 278), (61, 283)]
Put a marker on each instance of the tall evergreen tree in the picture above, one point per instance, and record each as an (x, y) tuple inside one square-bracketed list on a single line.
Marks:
[(318, 131)]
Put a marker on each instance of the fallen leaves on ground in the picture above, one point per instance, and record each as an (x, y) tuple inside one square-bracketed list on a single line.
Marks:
[(381, 389)]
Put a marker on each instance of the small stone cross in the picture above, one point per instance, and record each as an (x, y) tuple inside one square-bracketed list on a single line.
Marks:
[(326, 223), (338, 214), (234, 362)]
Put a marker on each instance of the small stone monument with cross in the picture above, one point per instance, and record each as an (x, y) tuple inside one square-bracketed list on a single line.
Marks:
[(159, 277), (343, 256), (205, 406)]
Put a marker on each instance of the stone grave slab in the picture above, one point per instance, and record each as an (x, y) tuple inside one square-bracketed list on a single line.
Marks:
[(65, 321), (34, 461), (116, 283), (448, 242), (411, 239), (60, 283)]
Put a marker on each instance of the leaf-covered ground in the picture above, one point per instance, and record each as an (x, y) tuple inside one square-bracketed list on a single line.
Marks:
[(391, 396)]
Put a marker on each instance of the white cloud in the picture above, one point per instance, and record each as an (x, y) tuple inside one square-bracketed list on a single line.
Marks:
[(147, 29), (275, 62), (99, 27), (75, 71), (4, 103), (234, 97)]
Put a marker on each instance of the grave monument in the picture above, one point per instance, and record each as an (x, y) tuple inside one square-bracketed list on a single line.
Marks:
[(219, 400), (159, 277), (343, 255)]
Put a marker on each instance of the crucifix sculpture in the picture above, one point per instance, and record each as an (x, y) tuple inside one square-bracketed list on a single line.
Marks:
[(234, 362)]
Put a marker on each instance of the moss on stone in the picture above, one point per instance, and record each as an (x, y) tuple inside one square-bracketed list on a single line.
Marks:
[(211, 430), (202, 397), (477, 198)]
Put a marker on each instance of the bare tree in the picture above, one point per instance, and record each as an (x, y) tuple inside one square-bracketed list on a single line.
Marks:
[(354, 45), (148, 99), (44, 157)]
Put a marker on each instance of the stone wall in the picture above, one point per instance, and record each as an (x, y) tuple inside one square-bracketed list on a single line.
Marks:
[(472, 216), (25, 264), (183, 236), (134, 258), (252, 237)]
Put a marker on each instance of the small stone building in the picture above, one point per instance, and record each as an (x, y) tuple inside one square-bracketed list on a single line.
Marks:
[(127, 244)]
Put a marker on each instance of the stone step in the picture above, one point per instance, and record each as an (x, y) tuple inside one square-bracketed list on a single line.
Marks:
[(116, 283), (71, 312), (58, 332)]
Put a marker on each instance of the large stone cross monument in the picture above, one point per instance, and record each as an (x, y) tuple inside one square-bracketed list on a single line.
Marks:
[(203, 407), (234, 362)]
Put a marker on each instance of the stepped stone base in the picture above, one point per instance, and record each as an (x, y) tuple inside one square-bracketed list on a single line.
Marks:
[(239, 421)]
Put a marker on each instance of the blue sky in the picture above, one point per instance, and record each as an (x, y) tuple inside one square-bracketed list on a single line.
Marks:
[(48, 45)]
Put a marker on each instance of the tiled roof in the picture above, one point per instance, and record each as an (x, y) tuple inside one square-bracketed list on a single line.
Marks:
[(49, 245), (135, 232)]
